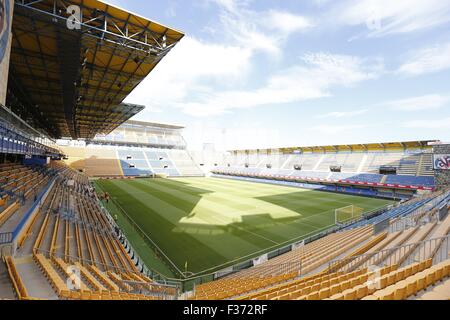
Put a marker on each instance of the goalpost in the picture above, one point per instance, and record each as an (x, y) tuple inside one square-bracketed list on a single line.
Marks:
[(346, 214)]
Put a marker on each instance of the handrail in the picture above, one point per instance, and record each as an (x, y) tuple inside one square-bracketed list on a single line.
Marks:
[(6, 237), (412, 219), (417, 251), (30, 211)]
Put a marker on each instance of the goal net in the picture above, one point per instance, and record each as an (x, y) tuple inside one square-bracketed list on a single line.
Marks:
[(347, 214)]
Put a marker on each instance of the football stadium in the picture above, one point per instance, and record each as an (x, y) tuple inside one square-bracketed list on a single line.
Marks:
[(98, 203)]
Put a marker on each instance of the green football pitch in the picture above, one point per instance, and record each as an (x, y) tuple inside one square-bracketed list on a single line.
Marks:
[(206, 224)]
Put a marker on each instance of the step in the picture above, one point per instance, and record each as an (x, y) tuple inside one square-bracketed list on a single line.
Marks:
[(34, 280)]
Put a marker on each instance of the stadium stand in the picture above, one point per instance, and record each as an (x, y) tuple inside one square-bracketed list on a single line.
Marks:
[(72, 230), (184, 163), (135, 148), (409, 169), (99, 162)]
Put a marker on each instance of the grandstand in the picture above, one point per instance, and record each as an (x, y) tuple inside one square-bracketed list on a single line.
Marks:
[(134, 149), (394, 170), (95, 206)]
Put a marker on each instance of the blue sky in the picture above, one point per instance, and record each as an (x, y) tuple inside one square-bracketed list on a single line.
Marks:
[(256, 74)]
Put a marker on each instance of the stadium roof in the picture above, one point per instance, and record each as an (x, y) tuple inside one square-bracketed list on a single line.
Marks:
[(351, 147), (153, 124), (72, 82)]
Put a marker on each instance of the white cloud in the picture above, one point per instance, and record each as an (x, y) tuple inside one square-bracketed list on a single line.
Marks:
[(286, 22), (385, 17), (264, 31), (191, 67), (312, 79), (428, 60), (343, 114), (426, 102), (428, 124)]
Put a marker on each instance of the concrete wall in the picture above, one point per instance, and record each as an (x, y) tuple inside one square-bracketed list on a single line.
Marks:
[(6, 14), (442, 176)]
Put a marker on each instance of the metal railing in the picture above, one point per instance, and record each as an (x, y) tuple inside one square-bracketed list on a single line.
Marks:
[(414, 218), (40, 199), (6, 237), (436, 248)]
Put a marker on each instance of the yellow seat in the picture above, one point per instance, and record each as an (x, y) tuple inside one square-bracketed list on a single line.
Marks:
[(420, 283), (415, 268), (429, 278), (411, 288), (363, 278), (64, 294), (383, 281), (324, 293), (391, 279), (350, 295), (333, 282), (325, 283), (388, 296), (400, 275), (85, 295), (335, 289), (315, 287), (95, 296), (306, 291), (408, 271), (337, 296), (345, 285), (400, 291), (362, 291), (75, 295), (313, 296), (285, 296), (438, 274)]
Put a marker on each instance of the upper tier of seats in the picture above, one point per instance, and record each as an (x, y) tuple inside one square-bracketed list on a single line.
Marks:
[(144, 137), (411, 164), (352, 178)]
